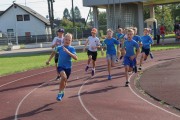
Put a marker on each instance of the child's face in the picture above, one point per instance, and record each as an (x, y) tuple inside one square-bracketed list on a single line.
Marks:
[(120, 31), (93, 34), (60, 34), (109, 34), (135, 31), (67, 40), (130, 35), (145, 32)]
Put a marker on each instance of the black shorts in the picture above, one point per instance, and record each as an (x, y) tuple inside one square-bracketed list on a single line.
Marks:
[(67, 71), (56, 57), (93, 54), (146, 51)]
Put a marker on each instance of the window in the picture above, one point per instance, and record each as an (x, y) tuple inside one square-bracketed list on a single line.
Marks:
[(26, 17), (19, 18), (10, 32)]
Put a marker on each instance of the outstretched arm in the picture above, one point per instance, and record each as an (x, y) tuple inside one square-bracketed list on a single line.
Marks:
[(52, 55)]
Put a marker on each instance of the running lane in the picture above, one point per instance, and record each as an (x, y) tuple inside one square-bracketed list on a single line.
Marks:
[(33, 98)]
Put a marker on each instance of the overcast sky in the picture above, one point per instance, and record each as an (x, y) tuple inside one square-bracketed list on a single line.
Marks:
[(41, 6)]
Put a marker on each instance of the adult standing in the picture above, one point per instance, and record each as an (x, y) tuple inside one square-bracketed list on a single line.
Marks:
[(162, 32)]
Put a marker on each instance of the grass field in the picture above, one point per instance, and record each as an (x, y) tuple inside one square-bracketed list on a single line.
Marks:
[(18, 63)]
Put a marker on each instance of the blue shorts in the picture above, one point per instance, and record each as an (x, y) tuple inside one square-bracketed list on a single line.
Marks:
[(67, 71), (111, 57), (128, 62), (146, 51)]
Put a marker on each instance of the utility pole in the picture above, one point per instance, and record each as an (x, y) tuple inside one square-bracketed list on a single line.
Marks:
[(51, 16), (73, 18)]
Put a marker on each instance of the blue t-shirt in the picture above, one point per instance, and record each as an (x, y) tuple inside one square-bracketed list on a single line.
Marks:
[(64, 59), (146, 41), (137, 38), (129, 46), (120, 36), (110, 43)]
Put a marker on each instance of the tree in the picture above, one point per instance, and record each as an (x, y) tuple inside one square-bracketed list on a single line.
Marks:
[(66, 14), (77, 13)]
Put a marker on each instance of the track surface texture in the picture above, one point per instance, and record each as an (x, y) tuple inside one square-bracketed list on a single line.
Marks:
[(31, 95)]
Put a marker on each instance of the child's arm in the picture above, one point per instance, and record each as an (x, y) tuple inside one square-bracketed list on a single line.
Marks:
[(85, 45), (74, 56), (52, 55)]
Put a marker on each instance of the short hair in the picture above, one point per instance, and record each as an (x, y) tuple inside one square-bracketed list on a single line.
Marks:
[(120, 29), (135, 28), (109, 30), (130, 30), (68, 35), (147, 29)]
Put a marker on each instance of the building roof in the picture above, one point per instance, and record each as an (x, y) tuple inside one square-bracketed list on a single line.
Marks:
[(30, 11)]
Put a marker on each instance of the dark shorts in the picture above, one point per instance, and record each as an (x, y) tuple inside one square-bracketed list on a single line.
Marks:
[(93, 54), (67, 71), (146, 51), (56, 57), (128, 62)]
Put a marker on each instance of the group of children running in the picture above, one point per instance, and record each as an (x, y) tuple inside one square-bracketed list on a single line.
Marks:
[(128, 47)]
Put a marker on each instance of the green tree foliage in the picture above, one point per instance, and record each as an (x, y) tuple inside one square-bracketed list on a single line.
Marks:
[(77, 13), (66, 14), (102, 22)]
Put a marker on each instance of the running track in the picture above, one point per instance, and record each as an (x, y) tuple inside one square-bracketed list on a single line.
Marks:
[(31, 95)]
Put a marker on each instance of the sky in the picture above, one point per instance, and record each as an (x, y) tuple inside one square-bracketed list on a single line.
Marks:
[(41, 6)]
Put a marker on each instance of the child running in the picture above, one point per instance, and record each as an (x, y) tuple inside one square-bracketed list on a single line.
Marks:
[(111, 51), (130, 56), (146, 44), (120, 38), (66, 52), (94, 44), (58, 41)]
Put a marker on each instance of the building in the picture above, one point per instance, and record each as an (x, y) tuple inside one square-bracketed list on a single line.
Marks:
[(124, 13), (19, 20)]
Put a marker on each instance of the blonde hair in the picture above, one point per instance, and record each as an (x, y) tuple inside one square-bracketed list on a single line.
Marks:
[(147, 29), (68, 35), (109, 30), (130, 30)]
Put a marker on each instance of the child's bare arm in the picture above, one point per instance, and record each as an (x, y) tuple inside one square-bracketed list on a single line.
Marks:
[(52, 55)]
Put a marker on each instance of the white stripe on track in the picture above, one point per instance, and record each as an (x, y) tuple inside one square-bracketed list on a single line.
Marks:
[(149, 101), (79, 94)]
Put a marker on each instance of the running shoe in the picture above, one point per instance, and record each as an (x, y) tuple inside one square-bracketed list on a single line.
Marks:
[(151, 55), (140, 68), (58, 78), (127, 84), (93, 72), (135, 69), (121, 57), (87, 67), (60, 96), (109, 77)]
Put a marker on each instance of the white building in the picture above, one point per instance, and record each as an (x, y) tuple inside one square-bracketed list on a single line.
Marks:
[(23, 21)]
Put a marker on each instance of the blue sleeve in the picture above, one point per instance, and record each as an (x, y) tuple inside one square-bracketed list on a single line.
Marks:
[(136, 45), (139, 39), (116, 42), (73, 50), (150, 40)]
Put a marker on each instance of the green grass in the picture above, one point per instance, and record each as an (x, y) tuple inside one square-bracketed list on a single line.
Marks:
[(18, 63), (170, 36)]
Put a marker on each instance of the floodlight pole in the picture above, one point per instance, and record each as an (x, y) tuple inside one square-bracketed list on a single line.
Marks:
[(73, 17), (51, 16)]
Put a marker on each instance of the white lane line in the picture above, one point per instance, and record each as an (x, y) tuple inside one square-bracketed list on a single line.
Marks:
[(29, 77), (79, 94), (19, 105), (149, 101), (24, 78)]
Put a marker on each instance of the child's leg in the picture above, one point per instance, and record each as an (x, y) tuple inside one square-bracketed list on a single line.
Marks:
[(89, 59), (113, 59), (142, 58), (63, 82), (126, 72), (109, 66), (94, 64)]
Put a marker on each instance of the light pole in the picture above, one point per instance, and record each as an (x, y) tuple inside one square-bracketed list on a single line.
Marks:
[(73, 17)]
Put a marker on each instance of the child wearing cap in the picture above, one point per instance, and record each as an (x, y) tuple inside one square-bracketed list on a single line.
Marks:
[(66, 53), (94, 44), (110, 42), (57, 41)]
